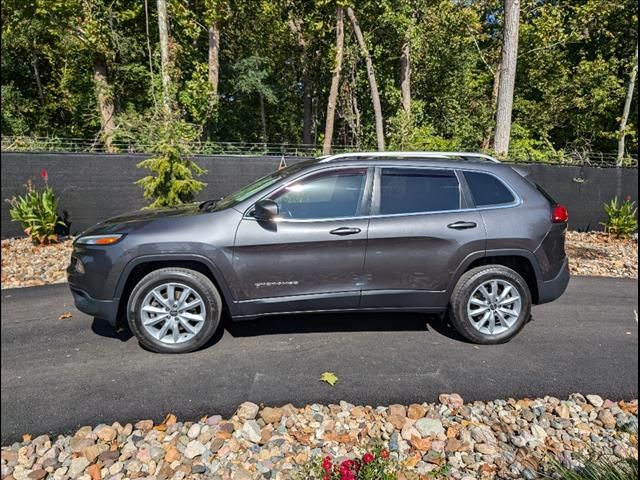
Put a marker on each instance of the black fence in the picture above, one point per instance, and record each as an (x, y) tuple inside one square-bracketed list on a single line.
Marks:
[(92, 187)]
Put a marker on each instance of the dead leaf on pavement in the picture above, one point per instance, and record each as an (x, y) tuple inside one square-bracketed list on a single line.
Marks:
[(329, 377), (26, 437), (65, 315)]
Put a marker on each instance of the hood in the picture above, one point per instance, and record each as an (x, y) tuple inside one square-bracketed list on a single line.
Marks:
[(138, 218)]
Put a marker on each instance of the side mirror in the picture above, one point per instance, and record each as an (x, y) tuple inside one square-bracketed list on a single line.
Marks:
[(266, 210)]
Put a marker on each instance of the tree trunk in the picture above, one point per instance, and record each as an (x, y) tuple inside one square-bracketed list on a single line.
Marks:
[(335, 82), (263, 117), (405, 76), (36, 73), (163, 29), (105, 102), (627, 108), (214, 62), (507, 77), (307, 90), (375, 97), (486, 142)]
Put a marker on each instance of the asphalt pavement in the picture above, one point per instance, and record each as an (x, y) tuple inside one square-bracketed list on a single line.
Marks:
[(59, 374)]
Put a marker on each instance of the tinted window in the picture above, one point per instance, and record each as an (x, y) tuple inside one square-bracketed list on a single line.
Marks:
[(418, 190), (487, 190), (326, 195)]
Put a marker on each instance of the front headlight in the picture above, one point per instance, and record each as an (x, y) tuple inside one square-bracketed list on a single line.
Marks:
[(108, 239)]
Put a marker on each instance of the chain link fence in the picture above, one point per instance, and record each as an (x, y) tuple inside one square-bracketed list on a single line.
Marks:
[(84, 145)]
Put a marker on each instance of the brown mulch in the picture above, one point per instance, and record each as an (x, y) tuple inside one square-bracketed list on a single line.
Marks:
[(602, 255), (597, 254)]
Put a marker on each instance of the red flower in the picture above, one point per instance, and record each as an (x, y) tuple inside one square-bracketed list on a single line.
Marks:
[(44, 175), (326, 464), (367, 458), (628, 198), (384, 454)]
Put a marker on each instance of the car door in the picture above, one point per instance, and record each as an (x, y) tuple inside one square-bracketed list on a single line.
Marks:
[(311, 256), (420, 231)]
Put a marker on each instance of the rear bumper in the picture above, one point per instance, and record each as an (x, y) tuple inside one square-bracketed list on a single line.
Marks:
[(105, 309), (552, 289)]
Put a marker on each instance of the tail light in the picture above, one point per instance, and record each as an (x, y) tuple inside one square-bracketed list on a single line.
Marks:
[(560, 214)]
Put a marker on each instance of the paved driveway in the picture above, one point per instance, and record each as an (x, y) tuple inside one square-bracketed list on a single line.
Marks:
[(60, 374)]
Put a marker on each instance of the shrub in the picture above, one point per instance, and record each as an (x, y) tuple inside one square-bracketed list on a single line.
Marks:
[(376, 465), (622, 217), (601, 468), (37, 212), (172, 182)]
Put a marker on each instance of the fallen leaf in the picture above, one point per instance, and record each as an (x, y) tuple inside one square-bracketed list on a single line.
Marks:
[(95, 471), (170, 419), (329, 377), (26, 437), (65, 315)]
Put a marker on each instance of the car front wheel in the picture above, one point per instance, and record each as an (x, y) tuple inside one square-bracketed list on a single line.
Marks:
[(490, 304), (174, 310)]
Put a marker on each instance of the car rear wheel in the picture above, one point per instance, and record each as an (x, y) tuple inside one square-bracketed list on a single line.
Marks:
[(490, 304), (174, 310)]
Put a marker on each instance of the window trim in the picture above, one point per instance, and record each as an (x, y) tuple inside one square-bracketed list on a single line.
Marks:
[(472, 201), (365, 201)]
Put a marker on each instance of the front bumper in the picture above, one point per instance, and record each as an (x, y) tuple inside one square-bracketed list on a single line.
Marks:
[(105, 309), (554, 288)]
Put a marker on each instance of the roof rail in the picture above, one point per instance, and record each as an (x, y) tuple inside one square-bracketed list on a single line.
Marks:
[(448, 155)]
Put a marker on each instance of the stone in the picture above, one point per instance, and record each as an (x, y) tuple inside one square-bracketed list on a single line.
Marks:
[(485, 448), (38, 474), (77, 466), (271, 415), (397, 421), (247, 411), (451, 400), (416, 411), (429, 426), (194, 431), (595, 400), (116, 468), (194, 448), (251, 431), (563, 411), (399, 410), (93, 451), (216, 445), (607, 419), (95, 471), (144, 425), (106, 433), (538, 432)]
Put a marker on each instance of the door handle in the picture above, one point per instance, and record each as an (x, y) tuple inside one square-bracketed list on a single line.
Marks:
[(345, 231), (462, 225)]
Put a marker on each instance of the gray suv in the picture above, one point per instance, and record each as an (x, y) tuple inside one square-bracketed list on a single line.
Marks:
[(429, 232)]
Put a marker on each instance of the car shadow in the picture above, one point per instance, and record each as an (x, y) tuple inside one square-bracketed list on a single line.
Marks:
[(310, 323), (341, 322)]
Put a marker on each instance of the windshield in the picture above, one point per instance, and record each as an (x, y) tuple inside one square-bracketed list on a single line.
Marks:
[(260, 184)]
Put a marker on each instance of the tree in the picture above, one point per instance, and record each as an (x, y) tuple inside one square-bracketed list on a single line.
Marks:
[(375, 96), (507, 79), (165, 62), (627, 107), (335, 81)]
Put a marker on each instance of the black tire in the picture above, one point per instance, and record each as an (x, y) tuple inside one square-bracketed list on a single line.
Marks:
[(194, 280), (465, 287)]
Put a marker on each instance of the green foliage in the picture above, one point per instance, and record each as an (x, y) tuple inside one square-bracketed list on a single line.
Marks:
[(172, 182), (37, 212), (622, 217), (376, 464), (601, 468), (573, 67)]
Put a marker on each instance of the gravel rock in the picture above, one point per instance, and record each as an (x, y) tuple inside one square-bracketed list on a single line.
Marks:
[(508, 439)]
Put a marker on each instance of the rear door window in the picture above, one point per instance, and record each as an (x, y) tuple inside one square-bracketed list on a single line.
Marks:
[(418, 190), (487, 190)]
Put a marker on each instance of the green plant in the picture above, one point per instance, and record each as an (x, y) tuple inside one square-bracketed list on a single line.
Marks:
[(173, 182), (600, 468), (377, 464), (37, 212), (622, 217)]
